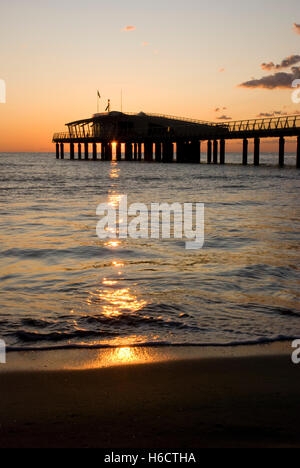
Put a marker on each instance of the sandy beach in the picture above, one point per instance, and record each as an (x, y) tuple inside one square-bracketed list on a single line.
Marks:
[(244, 401)]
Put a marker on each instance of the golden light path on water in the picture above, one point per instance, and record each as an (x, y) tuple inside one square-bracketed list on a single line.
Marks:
[(124, 355), (115, 300), (113, 200)]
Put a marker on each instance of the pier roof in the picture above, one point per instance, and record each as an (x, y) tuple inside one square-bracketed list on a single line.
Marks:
[(124, 126)]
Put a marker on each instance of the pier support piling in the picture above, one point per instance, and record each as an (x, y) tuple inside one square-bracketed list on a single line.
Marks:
[(194, 152), (135, 151), (215, 152), (139, 151), (167, 154), (86, 151), (118, 152), (57, 150), (298, 153), (222, 151), (256, 151), (187, 152), (281, 151), (62, 152), (94, 151), (180, 151), (72, 151), (108, 155), (148, 151), (157, 152), (79, 151), (128, 151), (103, 150), (199, 147), (245, 152), (209, 152)]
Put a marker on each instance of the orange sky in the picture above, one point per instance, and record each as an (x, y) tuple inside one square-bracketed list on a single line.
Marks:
[(186, 61)]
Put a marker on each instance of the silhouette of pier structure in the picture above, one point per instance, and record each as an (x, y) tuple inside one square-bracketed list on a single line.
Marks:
[(163, 138)]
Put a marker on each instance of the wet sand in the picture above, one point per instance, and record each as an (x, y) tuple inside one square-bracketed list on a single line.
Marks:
[(250, 401)]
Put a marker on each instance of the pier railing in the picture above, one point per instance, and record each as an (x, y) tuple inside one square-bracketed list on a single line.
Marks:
[(269, 123), (153, 132)]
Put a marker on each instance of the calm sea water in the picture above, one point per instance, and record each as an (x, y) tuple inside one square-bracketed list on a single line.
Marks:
[(61, 286)]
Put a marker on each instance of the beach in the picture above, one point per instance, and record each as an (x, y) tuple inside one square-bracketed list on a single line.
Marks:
[(247, 399)]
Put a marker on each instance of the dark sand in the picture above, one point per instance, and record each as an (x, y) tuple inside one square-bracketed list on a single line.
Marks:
[(213, 402)]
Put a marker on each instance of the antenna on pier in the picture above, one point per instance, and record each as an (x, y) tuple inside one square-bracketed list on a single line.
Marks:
[(121, 100), (108, 106), (98, 99)]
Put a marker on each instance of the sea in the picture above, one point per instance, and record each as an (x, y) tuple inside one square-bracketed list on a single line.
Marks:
[(61, 286)]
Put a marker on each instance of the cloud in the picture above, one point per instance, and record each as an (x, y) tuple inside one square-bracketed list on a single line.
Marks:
[(145, 44), (265, 114), (271, 114), (277, 80), (217, 109), (268, 66), (296, 28), (221, 70), (285, 63), (224, 117), (128, 28)]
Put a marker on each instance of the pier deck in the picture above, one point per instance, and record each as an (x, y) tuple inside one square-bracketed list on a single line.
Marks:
[(159, 133)]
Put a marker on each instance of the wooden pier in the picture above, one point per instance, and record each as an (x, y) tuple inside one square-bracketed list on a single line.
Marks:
[(155, 137)]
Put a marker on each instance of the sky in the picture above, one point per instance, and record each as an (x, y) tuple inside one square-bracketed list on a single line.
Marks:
[(209, 60)]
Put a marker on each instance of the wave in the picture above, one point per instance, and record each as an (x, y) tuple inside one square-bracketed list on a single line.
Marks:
[(88, 251), (61, 336), (160, 344)]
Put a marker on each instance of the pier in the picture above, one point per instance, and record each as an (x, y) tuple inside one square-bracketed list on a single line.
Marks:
[(167, 139)]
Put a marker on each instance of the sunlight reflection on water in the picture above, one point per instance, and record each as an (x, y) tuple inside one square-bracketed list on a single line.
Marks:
[(61, 285)]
